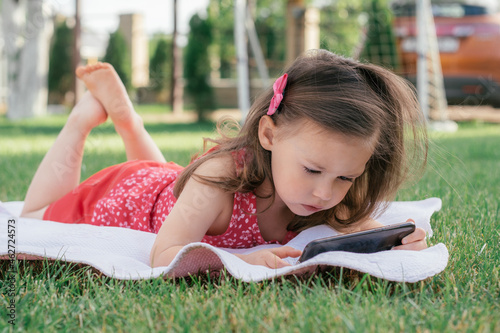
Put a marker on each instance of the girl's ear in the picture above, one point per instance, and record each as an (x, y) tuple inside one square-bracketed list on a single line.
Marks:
[(267, 132)]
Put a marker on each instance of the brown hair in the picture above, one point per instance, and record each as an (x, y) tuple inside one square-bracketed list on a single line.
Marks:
[(342, 95)]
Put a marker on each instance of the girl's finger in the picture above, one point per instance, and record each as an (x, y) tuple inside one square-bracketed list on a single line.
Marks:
[(276, 262), (417, 235), (286, 251), (415, 246)]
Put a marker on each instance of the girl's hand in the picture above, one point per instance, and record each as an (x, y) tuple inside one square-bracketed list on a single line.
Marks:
[(415, 241), (271, 258)]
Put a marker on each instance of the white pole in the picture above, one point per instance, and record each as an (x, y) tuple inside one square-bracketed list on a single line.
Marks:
[(422, 50), (242, 57)]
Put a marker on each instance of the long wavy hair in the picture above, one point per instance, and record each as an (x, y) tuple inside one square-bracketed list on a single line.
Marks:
[(345, 96)]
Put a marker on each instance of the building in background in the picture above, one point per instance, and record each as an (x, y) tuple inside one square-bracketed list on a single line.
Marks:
[(132, 28)]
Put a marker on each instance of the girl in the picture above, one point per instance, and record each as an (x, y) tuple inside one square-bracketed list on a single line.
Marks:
[(327, 144)]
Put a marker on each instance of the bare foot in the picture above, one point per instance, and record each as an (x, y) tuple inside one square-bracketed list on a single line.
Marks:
[(87, 113), (104, 83)]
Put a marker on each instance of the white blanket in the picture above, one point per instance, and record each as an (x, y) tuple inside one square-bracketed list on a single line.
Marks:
[(124, 253)]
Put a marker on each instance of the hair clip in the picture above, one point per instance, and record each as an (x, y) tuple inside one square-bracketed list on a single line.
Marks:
[(278, 87)]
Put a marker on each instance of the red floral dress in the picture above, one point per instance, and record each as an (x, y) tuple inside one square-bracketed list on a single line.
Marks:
[(139, 195)]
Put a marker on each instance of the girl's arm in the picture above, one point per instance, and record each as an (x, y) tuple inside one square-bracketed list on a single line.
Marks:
[(200, 207)]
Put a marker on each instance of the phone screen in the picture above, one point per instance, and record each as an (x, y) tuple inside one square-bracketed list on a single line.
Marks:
[(368, 241)]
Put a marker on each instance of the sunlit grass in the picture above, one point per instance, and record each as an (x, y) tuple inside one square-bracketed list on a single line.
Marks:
[(464, 171)]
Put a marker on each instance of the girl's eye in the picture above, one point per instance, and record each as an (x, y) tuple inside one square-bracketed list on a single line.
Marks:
[(307, 170), (347, 179)]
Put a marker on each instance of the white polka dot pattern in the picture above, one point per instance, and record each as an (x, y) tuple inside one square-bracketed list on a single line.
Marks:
[(143, 200)]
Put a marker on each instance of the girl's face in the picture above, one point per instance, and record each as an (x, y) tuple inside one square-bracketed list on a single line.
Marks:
[(312, 168)]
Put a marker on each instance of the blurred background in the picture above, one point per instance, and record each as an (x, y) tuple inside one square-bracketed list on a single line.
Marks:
[(184, 56)]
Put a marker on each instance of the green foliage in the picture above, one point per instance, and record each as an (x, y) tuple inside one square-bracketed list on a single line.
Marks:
[(341, 26), (118, 55), (61, 74), (159, 65), (380, 45), (221, 14), (270, 23), (340, 31), (197, 65)]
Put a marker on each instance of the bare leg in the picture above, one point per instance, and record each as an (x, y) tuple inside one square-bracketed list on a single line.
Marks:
[(105, 85), (59, 172)]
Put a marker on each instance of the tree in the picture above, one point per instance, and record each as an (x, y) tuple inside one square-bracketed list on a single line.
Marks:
[(28, 28), (197, 65), (340, 30), (159, 65), (270, 23), (60, 66), (117, 54), (380, 45), (341, 26)]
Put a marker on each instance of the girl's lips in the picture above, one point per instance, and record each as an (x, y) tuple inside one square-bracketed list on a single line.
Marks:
[(312, 208)]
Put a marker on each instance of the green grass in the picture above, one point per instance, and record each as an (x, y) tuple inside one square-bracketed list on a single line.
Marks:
[(464, 171)]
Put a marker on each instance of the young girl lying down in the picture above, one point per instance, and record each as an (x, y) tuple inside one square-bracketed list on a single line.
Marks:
[(329, 143)]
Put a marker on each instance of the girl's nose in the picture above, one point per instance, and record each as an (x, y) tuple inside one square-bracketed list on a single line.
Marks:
[(324, 191)]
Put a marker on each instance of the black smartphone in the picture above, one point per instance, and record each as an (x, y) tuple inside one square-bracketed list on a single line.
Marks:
[(368, 241)]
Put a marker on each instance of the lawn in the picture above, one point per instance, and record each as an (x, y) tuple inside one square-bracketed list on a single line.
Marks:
[(464, 171)]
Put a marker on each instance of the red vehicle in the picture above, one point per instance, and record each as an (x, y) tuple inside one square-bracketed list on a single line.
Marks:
[(468, 34)]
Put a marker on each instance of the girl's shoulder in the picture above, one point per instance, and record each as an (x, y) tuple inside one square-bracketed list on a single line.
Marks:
[(220, 208), (222, 165)]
